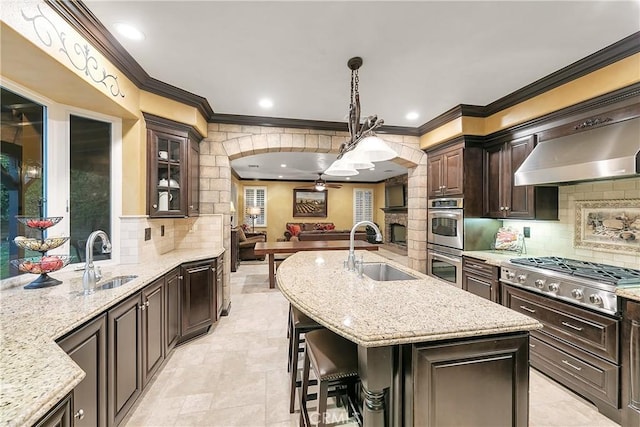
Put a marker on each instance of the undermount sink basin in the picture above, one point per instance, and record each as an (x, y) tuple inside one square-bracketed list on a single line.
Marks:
[(115, 282), (383, 272)]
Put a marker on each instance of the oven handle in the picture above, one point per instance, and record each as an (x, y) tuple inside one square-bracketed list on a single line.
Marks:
[(440, 257), (445, 215)]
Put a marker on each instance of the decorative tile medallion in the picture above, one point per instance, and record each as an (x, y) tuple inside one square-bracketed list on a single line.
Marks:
[(612, 225)]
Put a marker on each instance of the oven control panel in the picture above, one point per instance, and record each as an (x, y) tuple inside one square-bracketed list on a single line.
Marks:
[(566, 288)]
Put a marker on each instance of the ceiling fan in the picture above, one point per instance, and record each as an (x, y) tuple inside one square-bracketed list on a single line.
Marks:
[(321, 185)]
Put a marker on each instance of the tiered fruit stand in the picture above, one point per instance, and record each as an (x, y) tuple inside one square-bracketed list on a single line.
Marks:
[(43, 264)]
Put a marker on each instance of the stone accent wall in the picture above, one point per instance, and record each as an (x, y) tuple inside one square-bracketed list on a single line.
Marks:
[(227, 142)]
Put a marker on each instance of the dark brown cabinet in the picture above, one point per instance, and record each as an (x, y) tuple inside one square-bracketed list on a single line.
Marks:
[(235, 250), (87, 347), (197, 298), (502, 199), (219, 282), (172, 309), (124, 357), (577, 347), (445, 172), (172, 168), (481, 382), (481, 278), (59, 416), (631, 364), (153, 312)]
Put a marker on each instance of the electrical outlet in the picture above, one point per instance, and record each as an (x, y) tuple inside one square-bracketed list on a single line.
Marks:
[(162, 231), (527, 231), (147, 234)]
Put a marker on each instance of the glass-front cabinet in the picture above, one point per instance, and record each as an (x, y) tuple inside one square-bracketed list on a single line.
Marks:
[(173, 164)]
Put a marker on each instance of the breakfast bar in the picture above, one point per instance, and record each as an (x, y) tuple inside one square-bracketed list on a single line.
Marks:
[(428, 352)]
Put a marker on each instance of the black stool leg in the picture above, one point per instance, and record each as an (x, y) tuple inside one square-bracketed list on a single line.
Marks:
[(304, 414), (293, 370)]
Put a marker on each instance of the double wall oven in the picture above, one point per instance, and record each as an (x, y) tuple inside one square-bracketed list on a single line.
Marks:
[(449, 233)]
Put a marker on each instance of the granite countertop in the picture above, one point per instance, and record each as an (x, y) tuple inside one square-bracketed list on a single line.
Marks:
[(374, 314), (494, 257), (632, 293), (34, 372)]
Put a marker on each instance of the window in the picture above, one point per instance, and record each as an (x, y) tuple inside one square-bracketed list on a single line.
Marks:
[(362, 205), (255, 197), (68, 157)]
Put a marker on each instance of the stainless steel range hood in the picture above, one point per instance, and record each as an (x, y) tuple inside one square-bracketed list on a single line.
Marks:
[(611, 151)]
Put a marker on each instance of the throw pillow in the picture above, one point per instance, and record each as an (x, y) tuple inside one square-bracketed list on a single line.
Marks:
[(294, 230), (241, 236), (330, 227)]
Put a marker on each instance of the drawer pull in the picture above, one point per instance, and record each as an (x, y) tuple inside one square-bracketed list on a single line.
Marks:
[(525, 308), (532, 345), (577, 368), (569, 325)]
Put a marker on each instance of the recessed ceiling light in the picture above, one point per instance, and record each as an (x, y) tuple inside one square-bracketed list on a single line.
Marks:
[(129, 31), (283, 165), (265, 103), (412, 115), (279, 176), (348, 178)]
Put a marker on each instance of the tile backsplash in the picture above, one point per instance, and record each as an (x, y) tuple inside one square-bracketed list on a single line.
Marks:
[(555, 238)]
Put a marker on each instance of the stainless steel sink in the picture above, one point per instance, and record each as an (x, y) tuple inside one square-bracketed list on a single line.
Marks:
[(383, 272), (115, 282)]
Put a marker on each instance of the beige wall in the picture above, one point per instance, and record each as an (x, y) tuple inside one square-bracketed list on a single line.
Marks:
[(280, 205), (615, 76)]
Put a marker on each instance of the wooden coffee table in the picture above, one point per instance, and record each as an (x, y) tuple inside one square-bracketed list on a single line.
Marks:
[(272, 248)]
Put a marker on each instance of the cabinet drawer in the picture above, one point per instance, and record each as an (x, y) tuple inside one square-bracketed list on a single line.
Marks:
[(583, 373), (479, 267), (477, 286), (584, 329)]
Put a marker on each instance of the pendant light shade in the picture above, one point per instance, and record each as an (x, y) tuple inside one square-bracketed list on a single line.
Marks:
[(357, 161), (372, 149), (341, 167)]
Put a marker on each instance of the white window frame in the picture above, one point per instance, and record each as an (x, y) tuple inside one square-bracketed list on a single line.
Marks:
[(361, 216), (261, 220), (56, 136)]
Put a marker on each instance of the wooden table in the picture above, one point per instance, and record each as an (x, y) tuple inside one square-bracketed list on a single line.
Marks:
[(272, 248)]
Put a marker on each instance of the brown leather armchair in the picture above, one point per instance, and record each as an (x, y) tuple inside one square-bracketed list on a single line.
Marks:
[(246, 244)]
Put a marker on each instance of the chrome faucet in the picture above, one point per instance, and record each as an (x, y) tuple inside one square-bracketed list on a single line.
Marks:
[(91, 276), (351, 259)]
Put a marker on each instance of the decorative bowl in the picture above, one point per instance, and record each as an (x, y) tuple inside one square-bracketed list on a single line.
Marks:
[(40, 223), (40, 265), (38, 244)]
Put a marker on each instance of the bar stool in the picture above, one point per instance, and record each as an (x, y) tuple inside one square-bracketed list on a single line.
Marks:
[(334, 361), (299, 324)]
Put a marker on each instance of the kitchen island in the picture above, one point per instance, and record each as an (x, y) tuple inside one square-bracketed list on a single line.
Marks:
[(35, 373), (429, 353)]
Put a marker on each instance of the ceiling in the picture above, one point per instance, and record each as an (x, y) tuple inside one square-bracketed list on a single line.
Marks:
[(420, 56)]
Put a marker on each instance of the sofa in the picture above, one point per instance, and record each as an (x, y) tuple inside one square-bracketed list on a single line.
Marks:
[(306, 231), (246, 244)]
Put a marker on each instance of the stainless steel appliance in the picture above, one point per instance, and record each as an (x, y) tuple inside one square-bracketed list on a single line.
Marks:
[(446, 222), (579, 345), (449, 233), (445, 263)]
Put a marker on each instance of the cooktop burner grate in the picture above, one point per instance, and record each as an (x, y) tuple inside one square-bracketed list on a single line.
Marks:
[(586, 269)]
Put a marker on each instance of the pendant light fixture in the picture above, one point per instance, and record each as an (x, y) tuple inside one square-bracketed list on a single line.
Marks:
[(363, 147)]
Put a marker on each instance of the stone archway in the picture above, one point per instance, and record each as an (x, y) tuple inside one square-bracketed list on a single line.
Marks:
[(226, 142)]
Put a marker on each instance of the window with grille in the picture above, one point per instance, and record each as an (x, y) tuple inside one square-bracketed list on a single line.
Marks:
[(362, 205), (255, 196)]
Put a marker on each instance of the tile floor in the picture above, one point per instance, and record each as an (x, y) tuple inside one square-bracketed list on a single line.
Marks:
[(237, 376)]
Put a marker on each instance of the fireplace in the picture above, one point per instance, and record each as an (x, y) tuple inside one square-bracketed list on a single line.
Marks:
[(398, 234)]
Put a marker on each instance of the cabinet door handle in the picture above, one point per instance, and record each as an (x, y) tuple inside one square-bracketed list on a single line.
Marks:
[(142, 307), (155, 206), (506, 208), (569, 325), (634, 362), (146, 304), (180, 277), (525, 308), (501, 208), (213, 269), (79, 415), (577, 368), (532, 345)]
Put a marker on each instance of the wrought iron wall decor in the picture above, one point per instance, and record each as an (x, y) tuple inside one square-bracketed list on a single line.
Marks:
[(80, 56)]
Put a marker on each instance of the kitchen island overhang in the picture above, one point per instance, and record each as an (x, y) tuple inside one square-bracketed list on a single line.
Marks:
[(414, 334)]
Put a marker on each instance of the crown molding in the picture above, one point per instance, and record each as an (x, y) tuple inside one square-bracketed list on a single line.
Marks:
[(78, 15)]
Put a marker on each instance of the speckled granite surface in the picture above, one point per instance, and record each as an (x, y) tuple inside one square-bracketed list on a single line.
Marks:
[(373, 314), (629, 293), (34, 372), (496, 257)]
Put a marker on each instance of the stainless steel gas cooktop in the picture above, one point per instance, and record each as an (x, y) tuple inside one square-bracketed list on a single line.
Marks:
[(584, 283)]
